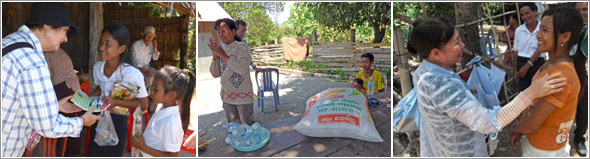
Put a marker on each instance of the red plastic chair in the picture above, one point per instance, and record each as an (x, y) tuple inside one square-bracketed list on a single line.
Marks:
[(50, 147), (188, 133), (85, 87)]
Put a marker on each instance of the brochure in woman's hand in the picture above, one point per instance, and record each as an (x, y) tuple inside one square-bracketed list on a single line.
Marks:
[(94, 104)]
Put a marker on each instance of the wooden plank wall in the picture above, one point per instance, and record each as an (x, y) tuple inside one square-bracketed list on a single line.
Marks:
[(15, 14), (168, 30), (268, 54), (346, 57)]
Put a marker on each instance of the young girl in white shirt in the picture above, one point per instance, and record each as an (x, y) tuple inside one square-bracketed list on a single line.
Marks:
[(163, 135), (113, 67)]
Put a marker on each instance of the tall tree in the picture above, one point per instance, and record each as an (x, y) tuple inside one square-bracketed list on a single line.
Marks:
[(261, 29), (345, 15), (466, 12)]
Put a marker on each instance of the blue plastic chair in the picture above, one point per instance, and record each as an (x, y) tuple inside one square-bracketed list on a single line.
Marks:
[(487, 40), (268, 85)]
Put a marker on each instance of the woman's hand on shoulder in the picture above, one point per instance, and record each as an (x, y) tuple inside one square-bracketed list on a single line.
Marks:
[(545, 85)]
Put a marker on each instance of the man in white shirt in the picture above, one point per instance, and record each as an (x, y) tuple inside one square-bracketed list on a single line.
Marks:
[(525, 43), (142, 52)]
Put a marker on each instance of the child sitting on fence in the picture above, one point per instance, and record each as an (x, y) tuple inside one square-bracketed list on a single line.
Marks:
[(165, 131), (367, 61)]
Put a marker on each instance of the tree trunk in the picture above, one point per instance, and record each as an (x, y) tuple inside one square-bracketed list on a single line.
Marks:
[(379, 34), (466, 12), (380, 23), (96, 25), (404, 71)]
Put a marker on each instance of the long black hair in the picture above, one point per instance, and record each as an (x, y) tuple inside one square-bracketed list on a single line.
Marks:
[(430, 34), (183, 83), (568, 19), (565, 19), (121, 34), (230, 23)]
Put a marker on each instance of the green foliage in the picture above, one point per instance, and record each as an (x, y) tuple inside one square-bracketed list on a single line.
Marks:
[(435, 9), (332, 21), (261, 29), (157, 11), (415, 12), (495, 8), (192, 48)]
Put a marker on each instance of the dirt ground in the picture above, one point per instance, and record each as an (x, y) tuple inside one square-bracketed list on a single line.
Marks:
[(293, 93)]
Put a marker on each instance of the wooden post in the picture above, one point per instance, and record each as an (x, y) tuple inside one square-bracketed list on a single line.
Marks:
[(518, 12), (404, 71), (314, 37), (184, 40), (352, 35), (96, 25), (492, 24)]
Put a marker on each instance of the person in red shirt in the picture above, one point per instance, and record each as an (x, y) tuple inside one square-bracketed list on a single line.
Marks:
[(512, 25)]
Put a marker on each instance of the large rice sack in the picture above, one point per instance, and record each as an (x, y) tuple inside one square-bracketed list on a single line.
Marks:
[(338, 112)]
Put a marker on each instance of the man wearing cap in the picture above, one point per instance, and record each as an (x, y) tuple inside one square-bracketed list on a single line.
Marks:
[(142, 51), (28, 99)]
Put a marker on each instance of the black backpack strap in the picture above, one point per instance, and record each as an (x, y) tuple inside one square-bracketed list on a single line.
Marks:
[(15, 46)]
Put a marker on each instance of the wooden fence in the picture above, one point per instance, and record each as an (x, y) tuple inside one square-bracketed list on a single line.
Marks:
[(337, 56), (268, 54)]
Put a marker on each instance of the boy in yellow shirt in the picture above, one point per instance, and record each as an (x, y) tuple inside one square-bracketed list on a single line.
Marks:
[(367, 61)]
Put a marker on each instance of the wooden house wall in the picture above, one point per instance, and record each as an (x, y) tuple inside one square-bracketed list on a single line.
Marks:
[(15, 15), (168, 30)]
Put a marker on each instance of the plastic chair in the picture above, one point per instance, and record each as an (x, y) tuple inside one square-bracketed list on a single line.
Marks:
[(49, 148), (85, 87), (487, 40), (188, 133), (384, 77), (267, 86)]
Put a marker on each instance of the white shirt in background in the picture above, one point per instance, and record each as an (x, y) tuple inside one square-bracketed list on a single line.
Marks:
[(525, 42), (141, 55)]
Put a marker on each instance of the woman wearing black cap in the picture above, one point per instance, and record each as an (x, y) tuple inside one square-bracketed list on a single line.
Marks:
[(29, 104)]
